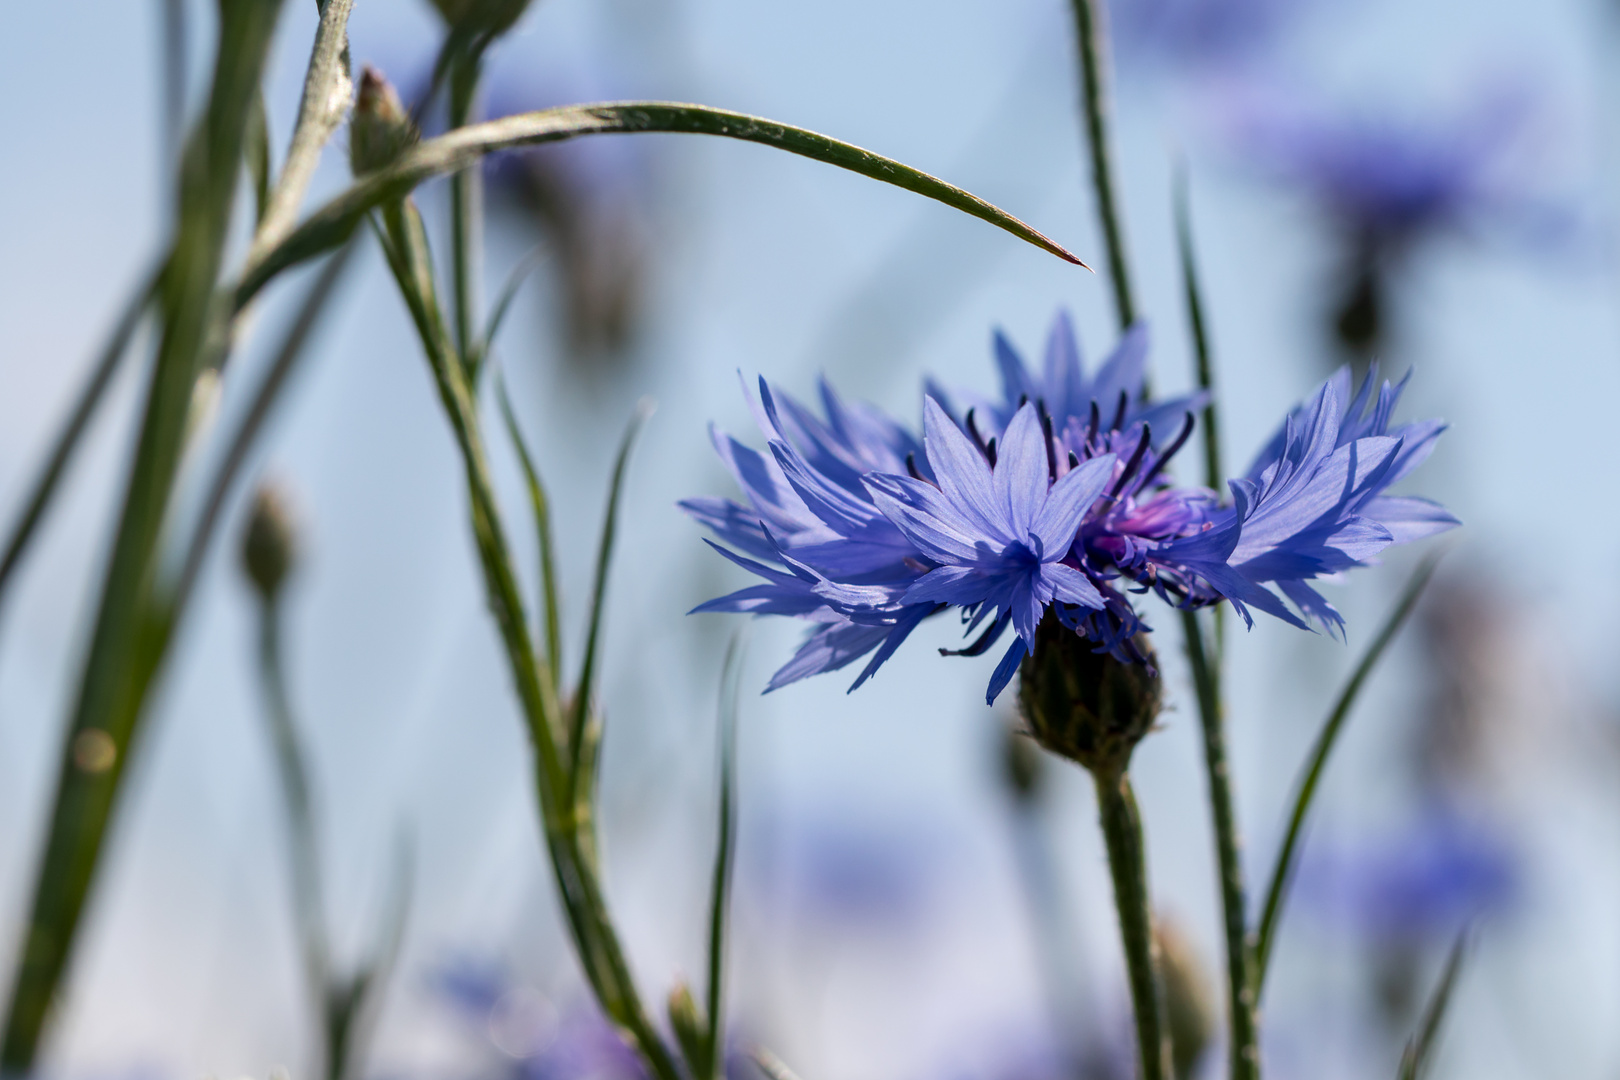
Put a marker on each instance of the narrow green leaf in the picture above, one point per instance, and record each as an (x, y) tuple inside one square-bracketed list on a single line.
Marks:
[(67, 440), (587, 672), (542, 526), (1282, 873), (257, 139), (720, 889), (1420, 1048), (509, 291), (1214, 478), (329, 225)]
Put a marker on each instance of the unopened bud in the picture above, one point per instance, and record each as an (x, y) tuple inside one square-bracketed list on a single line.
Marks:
[(270, 544), (484, 18), (379, 130), (686, 1017), (1089, 707), (1189, 1011)]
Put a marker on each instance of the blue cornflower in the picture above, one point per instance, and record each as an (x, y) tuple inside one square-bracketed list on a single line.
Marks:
[(1064, 507)]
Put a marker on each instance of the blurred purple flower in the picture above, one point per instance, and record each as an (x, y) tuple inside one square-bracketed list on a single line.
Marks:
[(1054, 502), (1201, 33), (1420, 884)]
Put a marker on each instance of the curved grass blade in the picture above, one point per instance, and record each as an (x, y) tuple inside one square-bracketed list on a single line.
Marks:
[(1283, 872), (332, 223), (542, 526), (581, 707), (720, 889), (67, 441), (514, 281), (1420, 1048)]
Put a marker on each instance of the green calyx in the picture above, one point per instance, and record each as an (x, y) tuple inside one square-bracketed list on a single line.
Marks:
[(1088, 707)]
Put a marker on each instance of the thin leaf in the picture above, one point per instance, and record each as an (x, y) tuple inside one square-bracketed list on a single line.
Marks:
[(587, 672), (771, 1065), (542, 526), (720, 889), (1214, 478), (329, 225), (509, 291), (354, 1008), (67, 441), (1282, 873), (1420, 1048), (258, 157)]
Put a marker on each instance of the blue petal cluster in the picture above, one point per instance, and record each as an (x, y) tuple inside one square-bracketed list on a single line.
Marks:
[(1052, 498)]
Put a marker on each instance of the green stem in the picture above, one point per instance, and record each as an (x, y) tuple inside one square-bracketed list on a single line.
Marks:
[(1093, 45), (466, 214), (1127, 863), (292, 773), (568, 826), (1244, 1048)]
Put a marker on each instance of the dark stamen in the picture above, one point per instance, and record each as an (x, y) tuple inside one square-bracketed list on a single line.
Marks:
[(985, 640), (1095, 423), (911, 467), (1023, 399), (1169, 452), (1132, 465), (1074, 460), (1046, 429), (1119, 413), (990, 452)]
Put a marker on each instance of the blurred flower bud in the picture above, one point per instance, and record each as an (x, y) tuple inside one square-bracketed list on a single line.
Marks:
[(270, 544), (690, 1030), (1189, 1011), (1089, 707), (379, 130), (1020, 764), (483, 18)]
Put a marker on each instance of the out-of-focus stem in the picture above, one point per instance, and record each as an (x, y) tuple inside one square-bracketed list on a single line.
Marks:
[(1127, 863), (1092, 39), (303, 853), (466, 213), (1244, 1048)]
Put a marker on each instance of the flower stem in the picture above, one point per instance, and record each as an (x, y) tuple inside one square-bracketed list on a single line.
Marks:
[(1245, 1052), (466, 213), (1092, 39), (1127, 862)]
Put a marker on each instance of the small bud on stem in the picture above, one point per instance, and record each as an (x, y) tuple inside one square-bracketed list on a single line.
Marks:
[(270, 543), (380, 130)]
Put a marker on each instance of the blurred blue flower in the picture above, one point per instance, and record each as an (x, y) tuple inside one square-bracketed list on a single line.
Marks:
[(1201, 33), (1060, 507), (1420, 884)]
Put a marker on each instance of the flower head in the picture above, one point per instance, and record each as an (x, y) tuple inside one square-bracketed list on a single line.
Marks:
[(1054, 501)]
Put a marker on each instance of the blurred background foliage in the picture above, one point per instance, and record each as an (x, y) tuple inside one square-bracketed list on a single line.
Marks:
[(1429, 183)]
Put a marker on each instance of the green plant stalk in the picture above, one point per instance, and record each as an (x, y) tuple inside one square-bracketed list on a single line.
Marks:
[(466, 213), (303, 853), (1127, 864), (1244, 1043), (568, 826), (107, 708), (1091, 38)]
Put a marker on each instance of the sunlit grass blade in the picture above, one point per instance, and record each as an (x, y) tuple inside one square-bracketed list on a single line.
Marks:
[(1283, 871), (585, 687), (542, 526), (105, 711), (503, 304), (67, 440), (1420, 1048), (720, 888), (332, 223), (771, 1065)]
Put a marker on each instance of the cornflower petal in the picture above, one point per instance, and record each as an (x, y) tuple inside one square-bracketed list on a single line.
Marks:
[(962, 473), (1067, 504), (1020, 476)]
